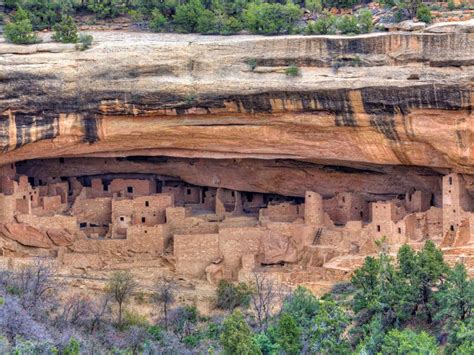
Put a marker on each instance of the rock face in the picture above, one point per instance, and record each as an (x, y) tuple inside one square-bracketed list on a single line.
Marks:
[(387, 99), (197, 151), (26, 235)]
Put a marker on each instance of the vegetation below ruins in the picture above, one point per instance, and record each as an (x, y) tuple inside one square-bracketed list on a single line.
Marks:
[(219, 17), (411, 304)]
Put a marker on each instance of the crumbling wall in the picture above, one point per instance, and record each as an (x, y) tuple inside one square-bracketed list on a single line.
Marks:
[(194, 253), (236, 242)]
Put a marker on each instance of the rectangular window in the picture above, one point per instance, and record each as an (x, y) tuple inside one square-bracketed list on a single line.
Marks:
[(82, 225), (378, 228), (130, 189), (143, 219), (147, 204)]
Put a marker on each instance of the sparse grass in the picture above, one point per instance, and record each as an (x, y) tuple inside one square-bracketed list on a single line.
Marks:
[(85, 41), (292, 70), (191, 98), (354, 61), (252, 63)]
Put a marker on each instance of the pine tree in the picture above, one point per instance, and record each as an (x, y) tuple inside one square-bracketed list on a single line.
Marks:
[(456, 296), (66, 31), (329, 325), (236, 337), (289, 334), (408, 342), (20, 30), (431, 267)]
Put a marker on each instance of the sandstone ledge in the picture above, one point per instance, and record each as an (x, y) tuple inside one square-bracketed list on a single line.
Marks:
[(385, 99)]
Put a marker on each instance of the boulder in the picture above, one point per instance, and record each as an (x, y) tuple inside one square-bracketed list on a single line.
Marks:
[(276, 248), (60, 237), (452, 27), (410, 25), (26, 235)]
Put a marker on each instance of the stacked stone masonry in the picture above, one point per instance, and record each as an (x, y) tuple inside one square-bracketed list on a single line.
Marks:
[(215, 233)]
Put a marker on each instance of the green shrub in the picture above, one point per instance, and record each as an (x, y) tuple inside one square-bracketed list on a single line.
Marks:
[(288, 334), (157, 21), (85, 41), (20, 30), (408, 342), (12, 4), (135, 15), (166, 7), (230, 296), (72, 348), (423, 13), (252, 63), (292, 70), (132, 318), (398, 16), (328, 330), (217, 23), (237, 337), (181, 320), (451, 5), (268, 18), (66, 31), (365, 21), (156, 332), (107, 8), (188, 14), (302, 305), (323, 25), (192, 340), (461, 338), (313, 5), (347, 24), (341, 3), (266, 345), (213, 331), (388, 3), (455, 298), (24, 347), (45, 13)]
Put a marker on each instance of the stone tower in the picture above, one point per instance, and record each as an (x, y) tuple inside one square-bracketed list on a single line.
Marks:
[(313, 209), (456, 201)]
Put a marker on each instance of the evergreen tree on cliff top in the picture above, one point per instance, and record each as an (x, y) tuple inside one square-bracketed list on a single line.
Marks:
[(20, 30)]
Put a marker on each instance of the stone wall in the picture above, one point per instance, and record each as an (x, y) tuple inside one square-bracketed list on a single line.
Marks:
[(194, 253)]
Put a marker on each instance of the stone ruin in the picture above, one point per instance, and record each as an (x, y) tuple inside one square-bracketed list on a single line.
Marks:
[(97, 221)]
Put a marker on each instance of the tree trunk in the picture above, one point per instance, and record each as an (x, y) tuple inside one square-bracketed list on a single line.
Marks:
[(120, 315)]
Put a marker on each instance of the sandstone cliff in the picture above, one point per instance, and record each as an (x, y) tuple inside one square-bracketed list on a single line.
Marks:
[(362, 112)]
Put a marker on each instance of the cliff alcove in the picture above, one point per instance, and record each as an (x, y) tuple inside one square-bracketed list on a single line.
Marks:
[(172, 149)]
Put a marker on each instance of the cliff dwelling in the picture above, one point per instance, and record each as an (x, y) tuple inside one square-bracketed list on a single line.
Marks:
[(174, 152), (243, 177), (94, 213)]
